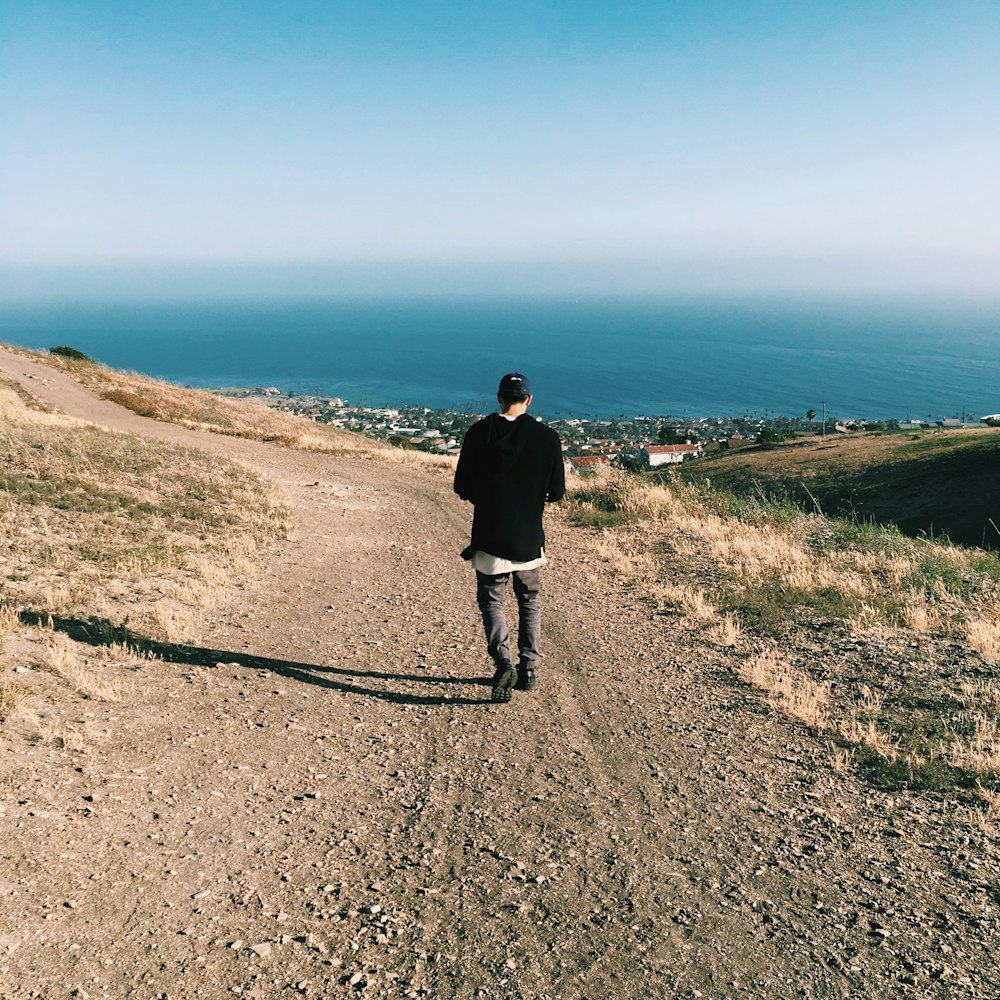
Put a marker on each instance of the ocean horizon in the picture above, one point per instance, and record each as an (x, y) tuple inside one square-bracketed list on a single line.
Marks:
[(688, 356)]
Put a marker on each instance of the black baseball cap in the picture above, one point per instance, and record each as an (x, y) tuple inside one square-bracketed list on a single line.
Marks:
[(514, 384)]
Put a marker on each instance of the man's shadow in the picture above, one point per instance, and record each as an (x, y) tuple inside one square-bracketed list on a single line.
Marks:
[(100, 632)]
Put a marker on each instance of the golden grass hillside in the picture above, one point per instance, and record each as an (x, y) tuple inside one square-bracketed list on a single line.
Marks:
[(887, 645), (200, 410), (108, 528)]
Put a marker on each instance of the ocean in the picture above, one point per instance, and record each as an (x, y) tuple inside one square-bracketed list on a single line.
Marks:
[(865, 357)]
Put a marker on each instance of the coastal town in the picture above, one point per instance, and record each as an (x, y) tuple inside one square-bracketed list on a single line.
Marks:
[(588, 441)]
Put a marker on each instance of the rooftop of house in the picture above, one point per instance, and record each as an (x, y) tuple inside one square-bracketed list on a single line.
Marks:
[(669, 449)]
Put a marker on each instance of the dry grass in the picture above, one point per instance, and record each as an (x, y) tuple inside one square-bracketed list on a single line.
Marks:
[(985, 815), (966, 748), (747, 551), (627, 557), (980, 752), (790, 690), (867, 734), (201, 410), (755, 552), (107, 528), (121, 652), (869, 701), (55, 731), (97, 523), (981, 695), (866, 618), (611, 490), (691, 601), (110, 527), (8, 619), (983, 635), (728, 632), (11, 697), (411, 457), (66, 737), (841, 760), (85, 674), (759, 568), (978, 749), (205, 411), (866, 575), (918, 615), (18, 406)]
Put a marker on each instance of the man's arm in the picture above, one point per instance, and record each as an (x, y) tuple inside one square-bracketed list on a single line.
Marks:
[(557, 474), (465, 477)]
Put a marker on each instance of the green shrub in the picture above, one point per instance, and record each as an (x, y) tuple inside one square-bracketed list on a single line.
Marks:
[(756, 508), (933, 567), (616, 491), (771, 607), (927, 775), (585, 516), (987, 564), (863, 535), (71, 353)]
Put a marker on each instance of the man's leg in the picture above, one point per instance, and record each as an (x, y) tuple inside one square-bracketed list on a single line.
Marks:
[(490, 592), (527, 587)]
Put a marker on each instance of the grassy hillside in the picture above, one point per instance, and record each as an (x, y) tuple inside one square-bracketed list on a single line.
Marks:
[(200, 410), (929, 483), (887, 645), (105, 528)]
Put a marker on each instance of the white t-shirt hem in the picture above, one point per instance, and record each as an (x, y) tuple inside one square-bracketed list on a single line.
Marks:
[(493, 565)]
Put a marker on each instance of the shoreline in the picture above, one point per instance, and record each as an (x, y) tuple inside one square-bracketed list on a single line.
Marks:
[(441, 429)]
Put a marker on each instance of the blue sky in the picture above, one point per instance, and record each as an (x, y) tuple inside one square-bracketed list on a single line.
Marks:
[(737, 143)]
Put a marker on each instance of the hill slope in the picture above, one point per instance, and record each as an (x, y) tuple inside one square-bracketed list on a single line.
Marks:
[(312, 796), (929, 483)]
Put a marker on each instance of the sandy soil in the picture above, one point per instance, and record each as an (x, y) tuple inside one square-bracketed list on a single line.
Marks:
[(319, 800)]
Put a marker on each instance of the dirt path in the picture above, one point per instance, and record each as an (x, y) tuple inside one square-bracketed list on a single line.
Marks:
[(337, 810)]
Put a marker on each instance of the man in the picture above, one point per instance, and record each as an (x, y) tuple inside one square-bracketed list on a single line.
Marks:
[(510, 466)]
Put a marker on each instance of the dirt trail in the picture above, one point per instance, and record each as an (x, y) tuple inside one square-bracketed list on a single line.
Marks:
[(340, 811)]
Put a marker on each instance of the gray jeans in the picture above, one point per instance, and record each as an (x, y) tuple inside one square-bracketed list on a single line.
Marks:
[(491, 589)]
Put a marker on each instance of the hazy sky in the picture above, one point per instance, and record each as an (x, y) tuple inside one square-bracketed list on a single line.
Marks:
[(740, 140)]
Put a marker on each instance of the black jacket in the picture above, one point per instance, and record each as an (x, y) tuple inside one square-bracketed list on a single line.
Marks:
[(508, 469)]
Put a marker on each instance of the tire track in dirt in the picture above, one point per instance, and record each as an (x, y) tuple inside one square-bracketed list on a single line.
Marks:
[(646, 733)]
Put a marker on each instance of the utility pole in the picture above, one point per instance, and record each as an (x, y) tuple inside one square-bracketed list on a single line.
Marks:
[(824, 418)]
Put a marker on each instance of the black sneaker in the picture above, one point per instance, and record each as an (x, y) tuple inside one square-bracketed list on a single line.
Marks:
[(503, 683), (526, 679)]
